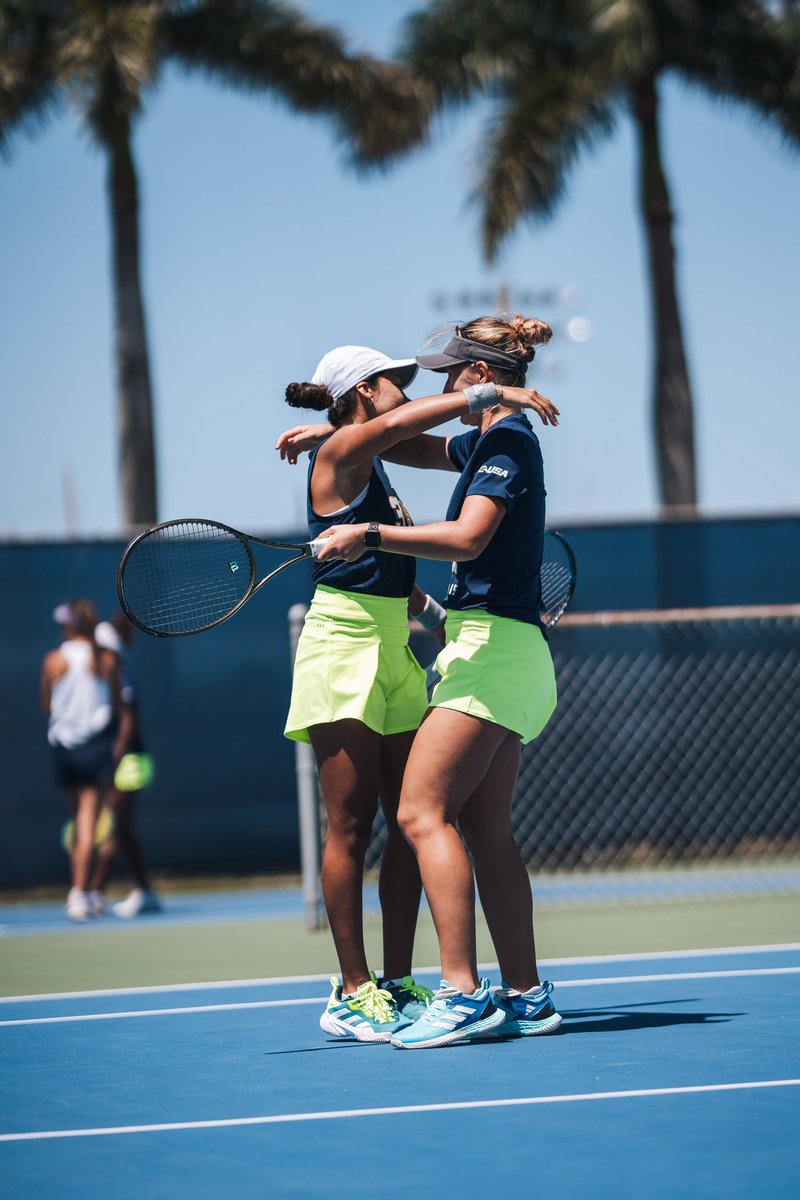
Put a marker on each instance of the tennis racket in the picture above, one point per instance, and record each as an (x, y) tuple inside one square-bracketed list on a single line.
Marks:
[(183, 577), (557, 576)]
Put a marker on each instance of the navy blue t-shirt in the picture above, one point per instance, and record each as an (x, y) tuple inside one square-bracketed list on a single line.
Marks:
[(374, 574), (506, 462)]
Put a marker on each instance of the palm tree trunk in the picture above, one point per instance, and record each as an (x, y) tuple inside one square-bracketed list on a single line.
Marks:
[(134, 394), (672, 394)]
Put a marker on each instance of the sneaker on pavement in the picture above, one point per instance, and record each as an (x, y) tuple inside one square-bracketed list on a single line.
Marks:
[(368, 1016), (96, 906), (526, 1013), (410, 998), (140, 900), (77, 906), (451, 1016)]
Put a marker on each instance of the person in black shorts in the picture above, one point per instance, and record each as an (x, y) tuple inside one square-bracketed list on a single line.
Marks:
[(87, 731)]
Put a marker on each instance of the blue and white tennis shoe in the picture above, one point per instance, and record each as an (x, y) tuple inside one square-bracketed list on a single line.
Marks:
[(368, 1016), (451, 1016), (526, 1013)]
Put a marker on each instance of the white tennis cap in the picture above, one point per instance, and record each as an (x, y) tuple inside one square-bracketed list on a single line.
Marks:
[(341, 369), (105, 635)]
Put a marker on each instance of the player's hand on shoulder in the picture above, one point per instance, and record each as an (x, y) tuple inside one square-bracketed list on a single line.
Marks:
[(516, 397), (292, 442)]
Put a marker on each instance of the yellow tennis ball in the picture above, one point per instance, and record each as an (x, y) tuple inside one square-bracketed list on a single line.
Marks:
[(103, 830), (104, 827), (135, 771), (68, 836)]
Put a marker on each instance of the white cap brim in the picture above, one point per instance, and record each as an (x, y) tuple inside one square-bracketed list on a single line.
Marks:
[(341, 369)]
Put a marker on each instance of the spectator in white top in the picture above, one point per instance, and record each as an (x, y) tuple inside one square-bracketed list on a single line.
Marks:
[(87, 730)]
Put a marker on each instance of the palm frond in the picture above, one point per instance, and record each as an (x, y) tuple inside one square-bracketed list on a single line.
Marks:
[(253, 44), (391, 119), (459, 48), (548, 69), (748, 53), (530, 147), (256, 44), (465, 47), (109, 58), (28, 88)]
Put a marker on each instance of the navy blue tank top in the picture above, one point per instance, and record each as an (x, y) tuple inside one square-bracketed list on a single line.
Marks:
[(375, 573)]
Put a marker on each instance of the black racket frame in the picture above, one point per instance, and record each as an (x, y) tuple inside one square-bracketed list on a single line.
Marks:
[(244, 539)]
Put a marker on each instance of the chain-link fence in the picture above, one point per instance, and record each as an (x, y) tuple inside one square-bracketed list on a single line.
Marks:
[(676, 740)]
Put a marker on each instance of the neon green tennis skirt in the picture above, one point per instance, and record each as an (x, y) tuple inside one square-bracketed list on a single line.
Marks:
[(353, 662), (498, 669)]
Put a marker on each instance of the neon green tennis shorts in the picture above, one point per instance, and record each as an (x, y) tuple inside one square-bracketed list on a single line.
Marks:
[(498, 669), (353, 661)]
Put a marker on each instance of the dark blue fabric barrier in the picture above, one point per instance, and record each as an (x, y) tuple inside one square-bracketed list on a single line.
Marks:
[(213, 705)]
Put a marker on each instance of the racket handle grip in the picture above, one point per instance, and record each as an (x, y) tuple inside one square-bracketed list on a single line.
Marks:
[(314, 546)]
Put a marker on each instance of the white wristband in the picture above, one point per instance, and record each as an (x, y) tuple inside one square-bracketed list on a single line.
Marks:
[(480, 396), (431, 614)]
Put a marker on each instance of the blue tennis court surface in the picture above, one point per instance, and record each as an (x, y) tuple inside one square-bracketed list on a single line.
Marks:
[(673, 1075)]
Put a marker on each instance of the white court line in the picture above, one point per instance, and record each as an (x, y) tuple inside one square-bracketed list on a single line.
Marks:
[(397, 1110), (166, 1012), (567, 983), (605, 979), (641, 956)]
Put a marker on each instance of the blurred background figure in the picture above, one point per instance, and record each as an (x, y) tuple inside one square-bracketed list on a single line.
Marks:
[(87, 730), (133, 774)]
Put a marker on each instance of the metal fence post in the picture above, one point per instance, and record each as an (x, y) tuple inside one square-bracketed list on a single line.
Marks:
[(307, 802)]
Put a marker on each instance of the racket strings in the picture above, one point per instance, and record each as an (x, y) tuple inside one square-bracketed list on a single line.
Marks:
[(186, 576), (557, 581)]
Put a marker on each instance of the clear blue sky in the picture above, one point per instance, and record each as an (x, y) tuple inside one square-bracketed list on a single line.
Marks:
[(261, 252)]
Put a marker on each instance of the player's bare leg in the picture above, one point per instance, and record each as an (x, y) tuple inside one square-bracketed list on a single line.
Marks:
[(348, 758), (451, 754), (122, 841), (86, 804), (502, 878), (400, 886)]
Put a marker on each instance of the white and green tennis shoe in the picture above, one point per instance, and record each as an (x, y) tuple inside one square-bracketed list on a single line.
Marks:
[(451, 1017), (368, 1016)]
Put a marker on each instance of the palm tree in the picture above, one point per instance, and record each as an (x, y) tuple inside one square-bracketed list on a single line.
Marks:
[(104, 58), (558, 73)]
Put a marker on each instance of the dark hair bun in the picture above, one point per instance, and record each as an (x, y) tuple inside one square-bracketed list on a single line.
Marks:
[(308, 395)]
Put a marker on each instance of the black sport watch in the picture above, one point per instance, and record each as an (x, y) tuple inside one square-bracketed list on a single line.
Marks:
[(373, 535)]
